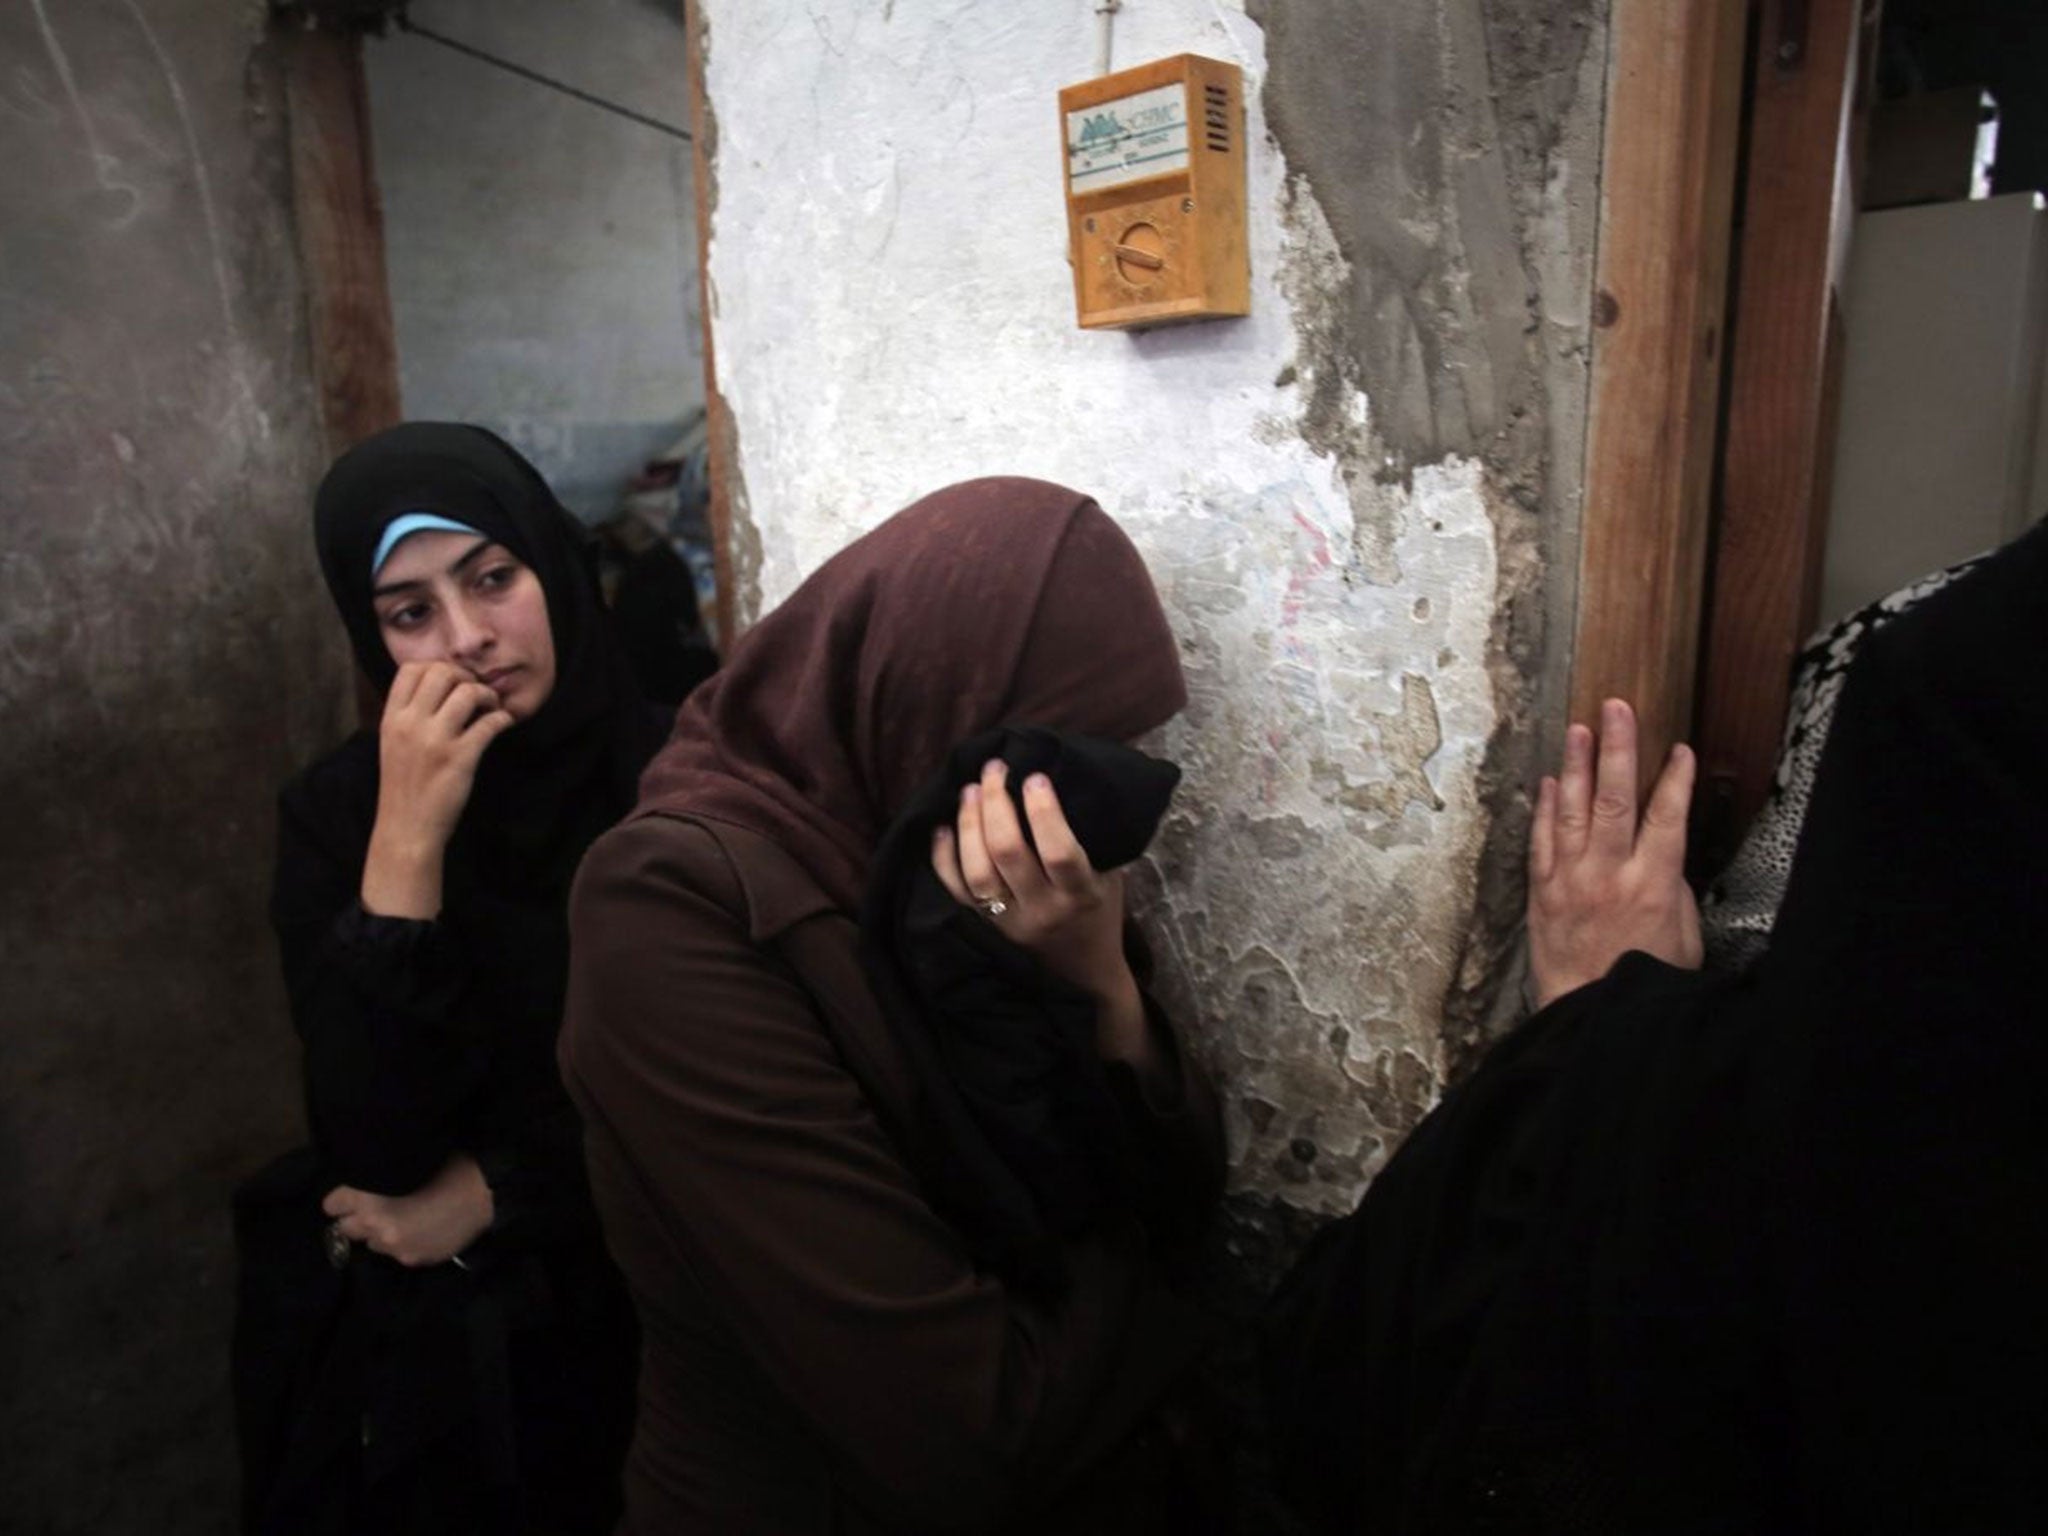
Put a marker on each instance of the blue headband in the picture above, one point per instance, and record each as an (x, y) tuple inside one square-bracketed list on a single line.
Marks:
[(405, 525)]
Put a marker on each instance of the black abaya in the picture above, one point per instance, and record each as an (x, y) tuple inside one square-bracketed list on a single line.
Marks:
[(1700, 1254), (494, 1395)]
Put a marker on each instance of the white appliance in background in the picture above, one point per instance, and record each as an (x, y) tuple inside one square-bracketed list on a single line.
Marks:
[(1942, 448)]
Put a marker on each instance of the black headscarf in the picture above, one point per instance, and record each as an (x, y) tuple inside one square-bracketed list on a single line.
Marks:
[(1760, 1253), (546, 787)]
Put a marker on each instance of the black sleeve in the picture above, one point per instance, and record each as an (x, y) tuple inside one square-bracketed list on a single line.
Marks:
[(372, 999), (1177, 1169), (1176, 1163), (540, 1193)]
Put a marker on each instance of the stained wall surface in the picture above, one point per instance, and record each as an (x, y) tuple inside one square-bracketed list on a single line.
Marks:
[(1351, 500), (166, 656), (543, 251)]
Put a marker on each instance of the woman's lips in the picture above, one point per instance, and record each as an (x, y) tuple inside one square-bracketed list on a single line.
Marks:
[(496, 680)]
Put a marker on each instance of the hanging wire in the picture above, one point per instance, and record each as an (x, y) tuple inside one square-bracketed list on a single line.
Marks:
[(406, 24), (1105, 31)]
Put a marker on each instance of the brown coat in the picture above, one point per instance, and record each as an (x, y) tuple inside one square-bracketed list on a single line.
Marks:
[(819, 1353)]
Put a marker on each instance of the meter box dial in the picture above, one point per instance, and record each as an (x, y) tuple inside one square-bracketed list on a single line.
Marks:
[(1155, 194)]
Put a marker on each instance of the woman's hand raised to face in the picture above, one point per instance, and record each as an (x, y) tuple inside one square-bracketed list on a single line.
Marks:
[(438, 719), (1051, 902), (1601, 882)]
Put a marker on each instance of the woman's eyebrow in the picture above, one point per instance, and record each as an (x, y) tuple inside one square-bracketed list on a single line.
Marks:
[(476, 552), (469, 558)]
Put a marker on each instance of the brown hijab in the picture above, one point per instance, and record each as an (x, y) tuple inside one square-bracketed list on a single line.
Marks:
[(992, 602)]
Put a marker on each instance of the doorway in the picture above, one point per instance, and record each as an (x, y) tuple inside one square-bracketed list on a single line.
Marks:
[(498, 214), (1737, 143), (1886, 335)]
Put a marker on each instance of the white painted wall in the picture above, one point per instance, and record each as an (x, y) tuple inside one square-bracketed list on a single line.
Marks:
[(1945, 316), (893, 311), (543, 252)]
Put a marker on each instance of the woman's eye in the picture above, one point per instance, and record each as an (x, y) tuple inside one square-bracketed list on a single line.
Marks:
[(411, 616), (497, 577)]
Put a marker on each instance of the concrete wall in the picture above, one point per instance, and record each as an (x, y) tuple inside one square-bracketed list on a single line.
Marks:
[(542, 251), (166, 656), (1358, 502)]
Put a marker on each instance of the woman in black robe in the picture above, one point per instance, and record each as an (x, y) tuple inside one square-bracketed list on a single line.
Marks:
[(1753, 1253), (470, 1368)]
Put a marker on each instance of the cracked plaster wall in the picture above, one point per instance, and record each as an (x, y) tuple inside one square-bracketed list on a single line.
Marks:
[(1351, 500)]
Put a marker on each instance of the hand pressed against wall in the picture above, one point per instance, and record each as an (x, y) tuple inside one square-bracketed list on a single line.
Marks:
[(1600, 882)]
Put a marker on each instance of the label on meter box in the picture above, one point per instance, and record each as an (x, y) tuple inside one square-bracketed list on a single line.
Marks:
[(1128, 139)]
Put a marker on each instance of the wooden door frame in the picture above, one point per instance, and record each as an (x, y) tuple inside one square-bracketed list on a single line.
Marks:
[(339, 218), (1807, 123), (1701, 534), (1674, 95), (721, 442)]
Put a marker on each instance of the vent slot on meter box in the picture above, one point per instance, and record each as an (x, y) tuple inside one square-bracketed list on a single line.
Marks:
[(1155, 194)]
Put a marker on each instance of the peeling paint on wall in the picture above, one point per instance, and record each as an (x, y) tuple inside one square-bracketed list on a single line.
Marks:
[(1452, 152), (1311, 882), (1345, 498)]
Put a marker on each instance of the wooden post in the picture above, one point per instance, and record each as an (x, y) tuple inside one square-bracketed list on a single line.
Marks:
[(1673, 114), (341, 249), (341, 235), (722, 447), (1782, 405)]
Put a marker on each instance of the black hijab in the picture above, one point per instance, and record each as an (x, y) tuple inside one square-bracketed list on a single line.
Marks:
[(547, 787)]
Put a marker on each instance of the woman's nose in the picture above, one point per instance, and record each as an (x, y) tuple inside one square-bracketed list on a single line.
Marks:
[(469, 632)]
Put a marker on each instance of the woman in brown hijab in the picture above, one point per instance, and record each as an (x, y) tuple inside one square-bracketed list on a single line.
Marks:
[(822, 1352)]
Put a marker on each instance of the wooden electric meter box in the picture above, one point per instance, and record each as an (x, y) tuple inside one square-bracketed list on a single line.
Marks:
[(1155, 194)]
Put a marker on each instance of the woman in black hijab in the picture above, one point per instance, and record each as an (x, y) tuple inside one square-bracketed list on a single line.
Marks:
[(1753, 1253), (477, 1372)]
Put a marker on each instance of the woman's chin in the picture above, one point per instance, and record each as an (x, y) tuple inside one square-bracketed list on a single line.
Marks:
[(522, 704)]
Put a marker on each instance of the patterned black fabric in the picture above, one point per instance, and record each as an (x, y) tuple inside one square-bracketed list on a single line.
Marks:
[(1740, 906), (1709, 1253)]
